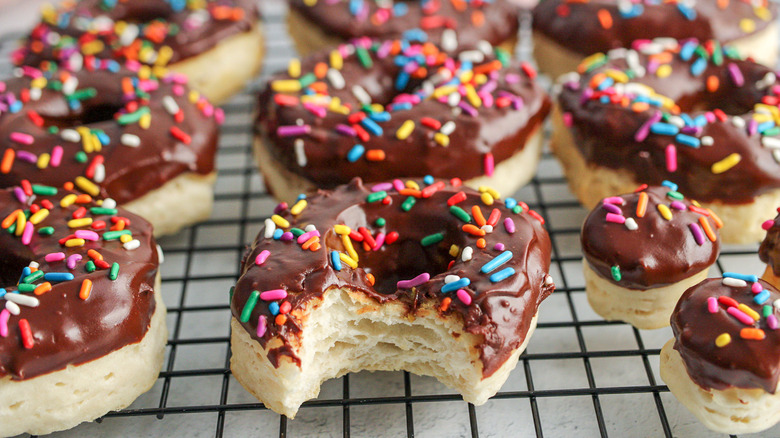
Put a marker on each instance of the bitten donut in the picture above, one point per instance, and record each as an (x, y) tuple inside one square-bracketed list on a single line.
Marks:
[(317, 25), (382, 109), (82, 324), (769, 251), (568, 31), (148, 143), (432, 278), (685, 112), (724, 361), (200, 39), (643, 250)]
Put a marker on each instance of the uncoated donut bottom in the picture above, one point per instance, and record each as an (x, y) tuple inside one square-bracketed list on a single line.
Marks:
[(732, 411), (346, 332), (770, 277), (62, 399), (591, 183)]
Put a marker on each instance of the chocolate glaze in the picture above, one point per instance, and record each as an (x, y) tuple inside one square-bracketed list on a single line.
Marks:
[(605, 133), (742, 363), (500, 131), (657, 254), (769, 251), (87, 19), (130, 172), (500, 22), (581, 30), (500, 312), (66, 329)]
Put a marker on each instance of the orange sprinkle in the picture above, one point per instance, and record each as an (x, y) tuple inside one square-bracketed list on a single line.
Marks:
[(459, 5), (312, 240), (662, 58), (705, 224), (237, 14), (752, 333), (86, 289), (118, 226), (280, 319), (481, 243), (315, 247), (10, 219), (320, 70), (641, 206), (410, 192), (713, 83), (473, 230), (716, 219), (319, 87), (94, 255), (370, 278), (478, 217), (68, 185), (605, 18), (445, 304), (723, 4), (639, 107), (42, 288), (477, 18), (375, 155), (8, 160), (487, 67), (597, 79), (83, 199)]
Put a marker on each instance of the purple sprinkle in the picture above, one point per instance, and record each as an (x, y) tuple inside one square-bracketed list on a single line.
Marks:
[(698, 234), (72, 260), (691, 130), (416, 281), (346, 130), (293, 130), (644, 130), (382, 187), (512, 78), (468, 109), (26, 156), (612, 208), (20, 194), (677, 205), (499, 246), (280, 207), (752, 127), (736, 75), (771, 321), (489, 87), (509, 224), (287, 236)]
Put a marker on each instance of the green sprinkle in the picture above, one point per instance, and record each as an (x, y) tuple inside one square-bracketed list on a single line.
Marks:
[(502, 55), (772, 132), (307, 80), (251, 302), (113, 235), (54, 85), (364, 57), (460, 213), (432, 239), (101, 210), (297, 231), (46, 231), (135, 116), (675, 195), (517, 209), (83, 94), (766, 311), (701, 51), (81, 157), (12, 228), (44, 190), (90, 266), (25, 287), (380, 222), (53, 130), (717, 55), (376, 196), (408, 203), (616, 273), (232, 289), (32, 278), (114, 272)]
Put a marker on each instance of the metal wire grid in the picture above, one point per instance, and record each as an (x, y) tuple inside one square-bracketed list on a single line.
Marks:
[(580, 375)]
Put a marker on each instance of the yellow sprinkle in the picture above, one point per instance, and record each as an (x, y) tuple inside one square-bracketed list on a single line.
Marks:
[(68, 200), (723, 339), (286, 86), (762, 117), (349, 247), (617, 75), (442, 139), (120, 26), (87, 186), (160, 71), (348, 260), (280, 221), (294, 67), (145, 72), (487, 198), (163, 56), (466, 76), (665, 212), (664, 71), (480, 79), (97, 146), (39, 216), (310, 2), (78, 223), (145, 121), (124, 238), (405, 130), (473, 98), (695, 202), (21, 222), (377, 108), (412, 185), (763, 13), (70, 243), (454, 250), (193, 96), (38, 82), (43, 160), (298, 207), (750, 312), (341, 229), (444, 90), (95, 46), (747, 25), (493, 192), (726, 163), (336, 60)]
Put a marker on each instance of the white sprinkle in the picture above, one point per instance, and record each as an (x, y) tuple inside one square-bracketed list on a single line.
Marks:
[(108, 203), (738, 122), (336, 79), (734, 282), (361, 94), (676, 121), (12, 307), (766, 81), (707, 141), (548, 280), (53, 38), (630, 223), (428, 88), (133, 244), (447, 128), (771, 142), (131, 140), (485, 47), (299, 122), (449, 40), (70, 85), (70, 135), (100, 173), (487, 228), (270, 227), (129, 35), (619, 53), (450, 278), (453, 99), (35, 94), (22, 300), (160, 254), (35, 265), (776, 154), (300, 153), (310, 227), (76, 61), (466, 254), (170, 105), (473, 56), (776, 303)]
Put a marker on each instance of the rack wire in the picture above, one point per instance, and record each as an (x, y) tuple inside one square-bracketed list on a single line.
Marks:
[(580, 375)]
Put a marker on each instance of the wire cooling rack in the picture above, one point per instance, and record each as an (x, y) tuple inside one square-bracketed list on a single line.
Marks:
[(580, 375)]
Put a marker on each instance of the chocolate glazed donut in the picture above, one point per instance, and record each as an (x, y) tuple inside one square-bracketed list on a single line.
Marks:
[(769, 251)]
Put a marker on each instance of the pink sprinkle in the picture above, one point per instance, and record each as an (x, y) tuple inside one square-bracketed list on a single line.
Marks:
[(56, 156), (274, 294), (712, 305), (378, 241), (489, 164), (771, 321), (643, 131), (261, 325), (4, 316), (306, 236), (743, 317), (316, 110), (767, 224), (736, 75), (498, 246), (262, 257), (464, 297), (398, 184), (416, 281), (756, 288), (568, 120), (87, 235), (72, 260), (280, 207), (509, 224), (382, 187), (671, 158), (617, 200), (27, 233), (616, 218), (54, 257), (677, 205)]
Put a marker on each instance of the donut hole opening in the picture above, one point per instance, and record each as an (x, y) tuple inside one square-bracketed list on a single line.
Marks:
[(87, 114), (12, 264), (404, 260)]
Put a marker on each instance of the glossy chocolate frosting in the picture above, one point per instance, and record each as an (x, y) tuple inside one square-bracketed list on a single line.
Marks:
[(106, 100), (576, 25), (611, 124), (474, 21), (66, 329), (189, 29), (742, 363), (500, 313), (769, 251), (658, 252), (511, 107)]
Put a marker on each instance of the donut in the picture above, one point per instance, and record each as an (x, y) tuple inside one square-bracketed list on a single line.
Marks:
[(197, 38), (425, 276), (149, 143), (382, 109), (317, 25), (769, 251), (82, 324), (642, 251), (723, 363), (568, 31), (686, 112)]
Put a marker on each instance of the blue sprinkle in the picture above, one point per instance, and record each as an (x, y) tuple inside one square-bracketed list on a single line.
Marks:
[(2, 292), (58, 276), (687, 119), (765, 126), (762, 297), (496, 262), (634, 12), (502, 275), (384, 116), (401, 60), (510, 203), (278, 233), (355, 6), (274, 308), (400, 9), (687, 12), (687, 50), (25, 272), (688, 140), (466, 66), (670, 185), (371, 126), (112, 66), (700, 121), (336, 260), (428, 179), (355, 153), (300, 196), (415, 34), (103, 138), (606, 83), (400, 106), (15, 107), (402, 80), (604, 99), (74, 104), (751, 278), (664, 128), (698, 66), (455, 285)]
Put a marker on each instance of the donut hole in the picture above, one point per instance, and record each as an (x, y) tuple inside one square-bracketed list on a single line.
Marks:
[(12, 264), (90, 113)]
